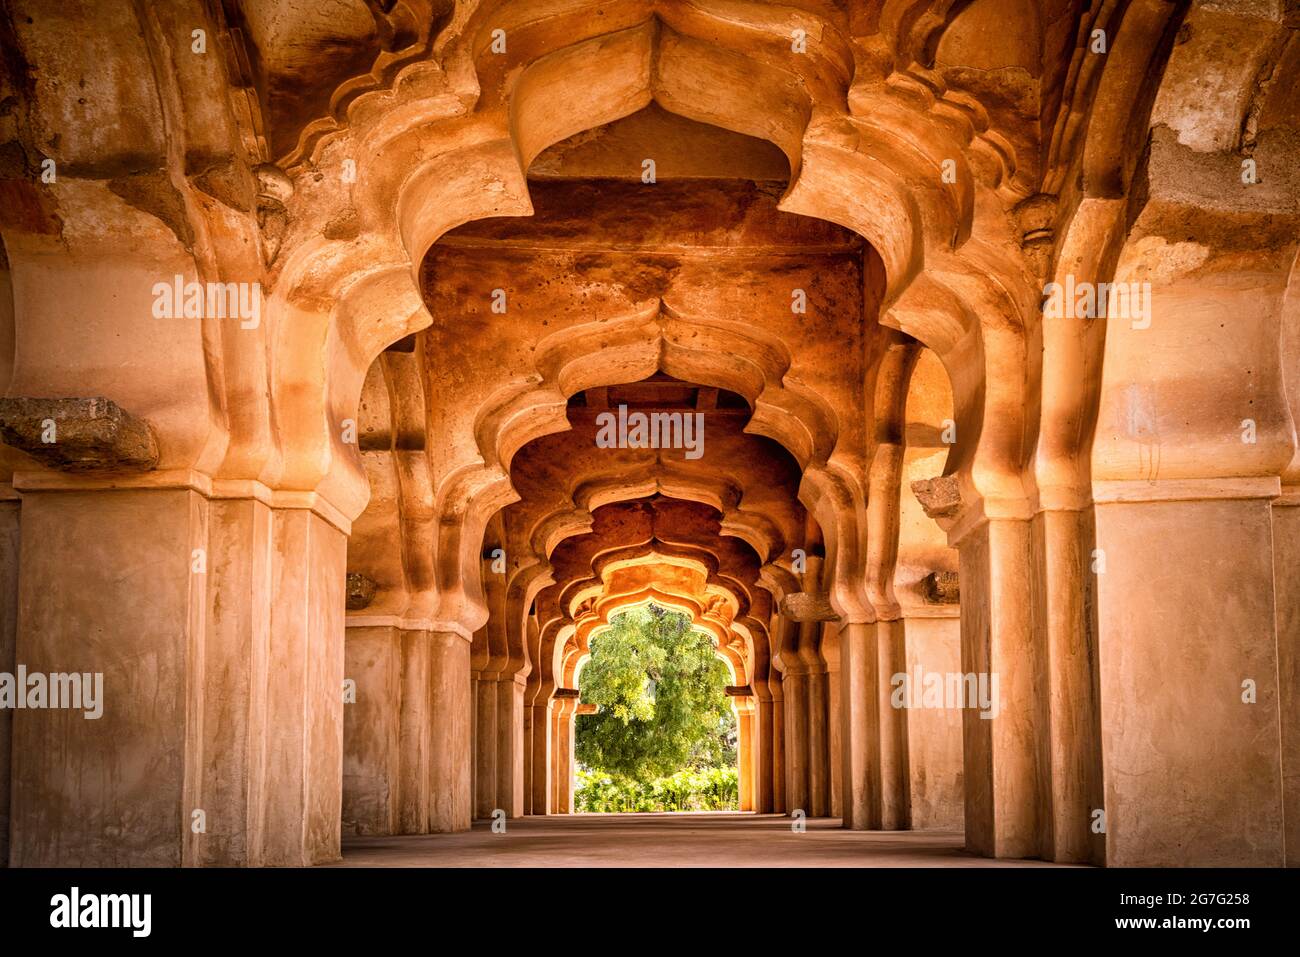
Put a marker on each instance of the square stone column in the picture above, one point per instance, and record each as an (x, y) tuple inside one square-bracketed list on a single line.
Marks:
[(295, 687), (536, 727), (565, 705), (795, 688), (528, 752), (415, 733), (498, 745), (510, 745), (485, 746), (860, 737), (1067, 538), (935, 734), (834, 718), (372, 726), (449, 730), (745, 755), (217, 625), (1005, 753), (1004, 666), (776, 744), (895, 780), (1190, 704), (819, 768), (762, 748), (539, 782), (407, 736)]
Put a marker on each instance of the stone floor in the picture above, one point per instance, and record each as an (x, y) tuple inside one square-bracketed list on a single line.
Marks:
[(708, 839)]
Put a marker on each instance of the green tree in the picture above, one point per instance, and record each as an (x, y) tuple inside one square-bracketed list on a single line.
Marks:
[(659, 687)]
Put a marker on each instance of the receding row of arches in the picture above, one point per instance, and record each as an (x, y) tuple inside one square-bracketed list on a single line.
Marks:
[(836, 267)]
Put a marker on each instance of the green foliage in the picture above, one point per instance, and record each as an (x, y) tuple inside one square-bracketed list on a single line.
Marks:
[(659, 687), (705, 789)]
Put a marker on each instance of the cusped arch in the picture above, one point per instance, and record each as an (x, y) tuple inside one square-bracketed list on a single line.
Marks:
[(729, 355), (424, 179)]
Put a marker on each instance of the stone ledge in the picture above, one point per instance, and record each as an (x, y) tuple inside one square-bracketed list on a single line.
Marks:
[(78, 434)]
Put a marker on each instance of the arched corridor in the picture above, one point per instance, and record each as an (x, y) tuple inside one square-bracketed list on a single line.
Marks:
[(939, 360)]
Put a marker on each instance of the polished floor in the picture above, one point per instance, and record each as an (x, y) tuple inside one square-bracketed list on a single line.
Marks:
[(708, 839)]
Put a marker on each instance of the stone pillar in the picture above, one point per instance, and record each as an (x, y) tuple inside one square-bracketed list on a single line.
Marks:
[(744, 752), (895, 780), (510, 745), (1074, 731), (566, 779), (805, 614), (372, 728), (553, 776), (485, 746), (1064, 533), (473, 743), (542, 724), (830, 650), (1006, 772), (1194, 427), (407, 735), (9, 527), (536, 726), (1005, 754), (218, 628), (898, 359), (764, 801), (234, 634), (449, 728), (776, 744), (564, 707), (860, 737), (285, 798), (528, 753), (819, 770), (1182, 631), (498, 702), (416, 743), (935, 734), (795, 688), (1286, 558)]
